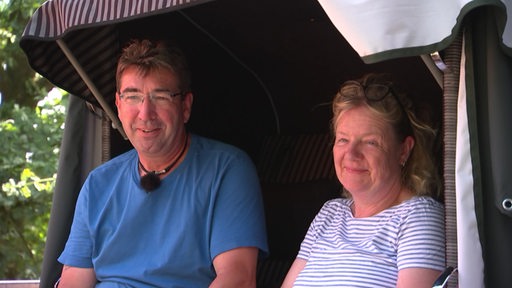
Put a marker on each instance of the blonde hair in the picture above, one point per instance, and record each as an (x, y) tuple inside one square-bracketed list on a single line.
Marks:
[(419, 173)]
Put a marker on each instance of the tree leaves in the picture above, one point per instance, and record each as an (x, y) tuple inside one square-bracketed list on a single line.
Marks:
[(28, 163), (30, 134)]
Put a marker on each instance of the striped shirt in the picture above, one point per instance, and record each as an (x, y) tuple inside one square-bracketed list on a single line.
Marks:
[(343, 251)]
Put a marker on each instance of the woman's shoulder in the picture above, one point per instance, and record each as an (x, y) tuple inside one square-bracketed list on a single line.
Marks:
[(336, 205), (421, 205), (423, 201), (338, 208), (341, 202)]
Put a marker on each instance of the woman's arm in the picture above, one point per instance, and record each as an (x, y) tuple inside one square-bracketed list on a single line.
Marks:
[(294, 271), (417, 277)]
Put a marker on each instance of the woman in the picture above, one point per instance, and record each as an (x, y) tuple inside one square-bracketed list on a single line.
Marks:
[(388, 231)]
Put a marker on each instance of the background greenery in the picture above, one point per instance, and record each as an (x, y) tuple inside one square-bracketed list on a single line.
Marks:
[(31, 124)]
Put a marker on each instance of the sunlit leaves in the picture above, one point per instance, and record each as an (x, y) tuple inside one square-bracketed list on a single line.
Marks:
[(28, 164), (30, 141)]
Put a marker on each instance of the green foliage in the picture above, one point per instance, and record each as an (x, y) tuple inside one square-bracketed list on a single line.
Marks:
[(18, 82), (30, 133), (28, 164)]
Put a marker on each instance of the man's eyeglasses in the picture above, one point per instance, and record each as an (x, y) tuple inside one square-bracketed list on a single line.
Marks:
[(157, 97)]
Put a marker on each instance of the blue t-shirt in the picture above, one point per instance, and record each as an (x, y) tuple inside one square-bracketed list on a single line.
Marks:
[(209, 204)]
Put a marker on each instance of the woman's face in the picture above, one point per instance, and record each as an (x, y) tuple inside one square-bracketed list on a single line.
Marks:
[(367, 153)]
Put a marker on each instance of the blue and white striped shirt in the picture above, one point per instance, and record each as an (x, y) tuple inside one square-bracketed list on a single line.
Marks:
[(343, 251)]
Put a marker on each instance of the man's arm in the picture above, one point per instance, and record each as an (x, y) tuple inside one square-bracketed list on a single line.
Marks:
[(236, 268), (74, 277)]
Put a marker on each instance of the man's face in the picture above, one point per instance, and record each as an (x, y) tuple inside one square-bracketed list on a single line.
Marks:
[(153, 126)]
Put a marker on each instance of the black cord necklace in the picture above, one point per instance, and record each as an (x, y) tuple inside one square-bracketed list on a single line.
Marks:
[(150, 181)]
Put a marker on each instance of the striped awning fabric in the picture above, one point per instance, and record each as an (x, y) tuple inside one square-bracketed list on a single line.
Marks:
[(89, 29), (56, 18), (289, 159)]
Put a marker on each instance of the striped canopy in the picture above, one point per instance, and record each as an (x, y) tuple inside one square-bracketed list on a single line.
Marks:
[(85, 34), (87, 28)]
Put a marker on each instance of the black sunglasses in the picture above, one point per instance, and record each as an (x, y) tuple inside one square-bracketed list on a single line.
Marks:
[(376, 93)]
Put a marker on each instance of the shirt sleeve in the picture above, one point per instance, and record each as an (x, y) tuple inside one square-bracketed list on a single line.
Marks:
[(312, 234), (421, 241), (238, 217), (78, 249)]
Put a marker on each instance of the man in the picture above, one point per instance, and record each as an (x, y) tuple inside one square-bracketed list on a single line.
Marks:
[(178, 210)]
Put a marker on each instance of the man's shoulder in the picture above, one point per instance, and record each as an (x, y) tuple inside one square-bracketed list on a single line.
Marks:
[(117, 162), (203, 143), (214, 152)]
